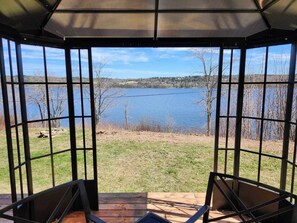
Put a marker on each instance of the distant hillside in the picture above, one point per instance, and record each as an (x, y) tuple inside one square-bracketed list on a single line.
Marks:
[(160, 82)]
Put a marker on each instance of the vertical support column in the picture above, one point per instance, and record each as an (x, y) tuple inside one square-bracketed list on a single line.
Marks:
[(94, 146), (218, 108), (24, 118), (71, 114), (7, 125), (286, 139), (239, 112)]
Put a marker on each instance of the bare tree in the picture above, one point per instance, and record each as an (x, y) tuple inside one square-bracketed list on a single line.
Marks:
[(104, 94), (206, 56), (57, 99), (126, 105), (37, 96)]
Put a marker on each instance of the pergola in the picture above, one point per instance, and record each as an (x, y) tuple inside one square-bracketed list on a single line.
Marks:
[(236, 27)]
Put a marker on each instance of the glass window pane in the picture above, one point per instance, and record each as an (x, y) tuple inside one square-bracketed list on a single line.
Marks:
[(63, 169), (87, 99), (278, 63), (58, 103), (224, 99), (249, 165), (61, 140), (84, 65), (235, 65), (88, 132), (275, 101), (79, 133), (252, 100), (75, 66), (255, 64), (14, 62), (55, 62), (273, 138), (33, 63), (294, 106), (11, 104), (39, 139), (77, 98), (90, 169), (80, 164), (233, 99), (226, 65), (270, 171), (222, 133), (292, 143), (221, 161), (36, 101), (250, 131), (6, 59), (41, 174), (295, 184), (289, 177)]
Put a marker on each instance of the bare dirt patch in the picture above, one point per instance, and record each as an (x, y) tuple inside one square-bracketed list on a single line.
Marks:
[(111, 134)]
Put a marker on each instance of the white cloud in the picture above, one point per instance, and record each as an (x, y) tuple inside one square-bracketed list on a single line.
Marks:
[(118, 55), (132, 73)]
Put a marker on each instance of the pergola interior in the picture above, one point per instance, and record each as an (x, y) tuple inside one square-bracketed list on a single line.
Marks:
[(237, 27)]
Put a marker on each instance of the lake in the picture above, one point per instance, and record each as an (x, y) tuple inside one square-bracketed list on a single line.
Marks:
[(176, 108)]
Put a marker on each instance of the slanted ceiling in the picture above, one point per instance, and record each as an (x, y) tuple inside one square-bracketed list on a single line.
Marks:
[(155, 19)]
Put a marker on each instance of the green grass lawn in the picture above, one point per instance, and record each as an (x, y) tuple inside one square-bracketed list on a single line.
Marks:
[(126, 165)]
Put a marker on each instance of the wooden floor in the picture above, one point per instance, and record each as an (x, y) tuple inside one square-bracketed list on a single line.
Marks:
[(128, 207)]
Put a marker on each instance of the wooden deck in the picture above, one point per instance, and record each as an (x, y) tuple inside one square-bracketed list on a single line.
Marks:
[(128, 207)]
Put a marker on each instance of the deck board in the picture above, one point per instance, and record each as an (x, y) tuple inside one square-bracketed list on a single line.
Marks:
[(129, 207)]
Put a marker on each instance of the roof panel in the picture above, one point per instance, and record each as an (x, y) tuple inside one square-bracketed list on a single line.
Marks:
[(209, 25), (283, 15), (102, 25), (106, 4), (263, 3), (22, 15), (202, 4)]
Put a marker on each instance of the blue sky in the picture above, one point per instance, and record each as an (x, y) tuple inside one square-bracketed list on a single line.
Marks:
[(147, 62), (144, 62)]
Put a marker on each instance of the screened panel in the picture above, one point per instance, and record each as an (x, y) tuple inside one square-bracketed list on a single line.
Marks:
[(208, 24), (102, 25)]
